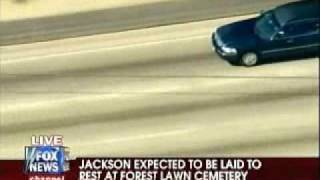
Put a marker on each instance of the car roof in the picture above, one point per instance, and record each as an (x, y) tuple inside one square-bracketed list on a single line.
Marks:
[(300, 10)]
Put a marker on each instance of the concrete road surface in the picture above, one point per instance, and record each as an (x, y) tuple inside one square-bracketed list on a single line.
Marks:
[(156, 92), (123, 18)]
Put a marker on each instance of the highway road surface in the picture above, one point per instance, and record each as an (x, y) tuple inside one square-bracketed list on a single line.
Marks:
[(122, 18), (158, 91)]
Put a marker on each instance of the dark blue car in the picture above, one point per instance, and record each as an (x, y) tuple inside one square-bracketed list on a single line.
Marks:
[(287, 31)]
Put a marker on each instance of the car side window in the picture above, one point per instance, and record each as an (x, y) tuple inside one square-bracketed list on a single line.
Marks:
[(317, 26), (301, 28)]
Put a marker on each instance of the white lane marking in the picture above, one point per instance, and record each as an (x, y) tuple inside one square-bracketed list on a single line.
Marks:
[(147, 136), (212, 26), (8, 61)]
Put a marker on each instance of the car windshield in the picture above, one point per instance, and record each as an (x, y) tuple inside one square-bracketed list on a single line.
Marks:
[(267, 26)]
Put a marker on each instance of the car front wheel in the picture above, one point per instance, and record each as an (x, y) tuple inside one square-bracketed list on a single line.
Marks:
[(249, 59)]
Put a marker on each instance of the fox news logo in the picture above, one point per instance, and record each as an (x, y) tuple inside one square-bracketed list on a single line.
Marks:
[(47, 155)]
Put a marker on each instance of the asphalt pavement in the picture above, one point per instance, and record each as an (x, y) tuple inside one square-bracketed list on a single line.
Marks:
[(124, 18), (158, 91)]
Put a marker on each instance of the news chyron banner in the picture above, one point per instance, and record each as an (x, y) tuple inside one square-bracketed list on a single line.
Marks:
[(48, 158)]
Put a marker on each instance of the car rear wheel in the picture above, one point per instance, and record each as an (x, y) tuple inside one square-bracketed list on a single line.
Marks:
[(249, 59)]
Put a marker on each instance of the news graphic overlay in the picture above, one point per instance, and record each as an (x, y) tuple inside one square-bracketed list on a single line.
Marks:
[(46, 156), (198, 168), (167, 168)]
